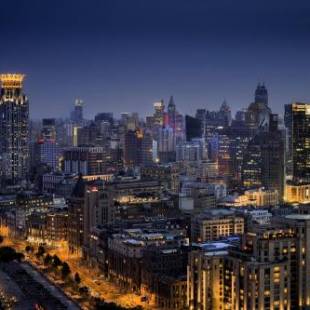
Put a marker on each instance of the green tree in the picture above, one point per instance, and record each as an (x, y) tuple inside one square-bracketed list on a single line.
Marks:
[(56, 261), (41, 251), (65, 271), (77, 278), (1, 239), (48, 259), (20, 256), (7, 254), (29, 249)]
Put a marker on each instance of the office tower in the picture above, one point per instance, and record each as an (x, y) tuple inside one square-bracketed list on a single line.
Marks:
[(194, 150), (94, 206), (300, 144), (35, 129), (216, 224), (172, 113), (75, 216), (14, 129), (193, 128), (48, 129), (105, 116), (89, 135), (87, 160), (138, 148), (225, 114), (132, 146), (147, 149), (219, 151), (159, 114), (269, 270), (179, 128), (77, 113), (258, 112), (46, 152), (166, 145), (264, 160), (261, 94)]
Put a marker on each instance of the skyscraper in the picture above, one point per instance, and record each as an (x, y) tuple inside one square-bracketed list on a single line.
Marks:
[(300, 131), (257, 115), (138, 148), (77, 113), (261, 94), (171, 113), (14, 129), (264, 160)]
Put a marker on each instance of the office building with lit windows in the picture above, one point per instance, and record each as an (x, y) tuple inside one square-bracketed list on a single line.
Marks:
[(268, 270), (14, 129), (301, 142)]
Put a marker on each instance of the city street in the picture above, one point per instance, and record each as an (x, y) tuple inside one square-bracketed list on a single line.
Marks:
[(90, 278)]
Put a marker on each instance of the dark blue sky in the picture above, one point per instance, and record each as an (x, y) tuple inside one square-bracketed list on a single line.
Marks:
[(123, 55)]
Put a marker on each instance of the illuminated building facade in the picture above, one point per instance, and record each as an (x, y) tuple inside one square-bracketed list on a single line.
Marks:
[(216, 224), (268, 271), (301, 142), (86, 160), (138, 148), (14, 129), (264, 160), (297, 193)]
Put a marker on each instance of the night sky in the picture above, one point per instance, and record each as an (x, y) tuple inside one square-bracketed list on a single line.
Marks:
[(121, 56)]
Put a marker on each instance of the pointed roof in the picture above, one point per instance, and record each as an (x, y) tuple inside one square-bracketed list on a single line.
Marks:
[(225, 107), (171, 101)]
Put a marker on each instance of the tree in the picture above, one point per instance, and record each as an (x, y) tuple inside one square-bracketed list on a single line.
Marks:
[(20, 256), (56, 261), (1, 239), (77, 278), (84, 290), (29, 249), (7, 254), (65, 271), (41, 251), (48, 259)]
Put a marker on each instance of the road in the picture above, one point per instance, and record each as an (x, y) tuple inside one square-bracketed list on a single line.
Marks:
[(89, 277)]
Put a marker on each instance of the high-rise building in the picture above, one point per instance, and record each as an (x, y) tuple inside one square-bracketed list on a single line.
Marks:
[(166, 145), (257, 115), (48, 129), (225, 113), (14, 129), (264, 160), (138, 148), (261, 94), (268, 271), (77, 113), (87, 160), (300, 141), (194, 150), (159, 113), (172, 113), (75, 216), (193, 127)]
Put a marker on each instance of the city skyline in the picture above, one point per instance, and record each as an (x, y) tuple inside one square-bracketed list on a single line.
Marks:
[(116, 56), (155, 155)]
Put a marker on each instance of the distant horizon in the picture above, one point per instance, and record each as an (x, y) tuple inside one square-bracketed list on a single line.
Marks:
[(124, 55)]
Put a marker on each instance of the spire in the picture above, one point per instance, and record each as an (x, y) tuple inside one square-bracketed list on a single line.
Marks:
[(225, 107), (171, 101)]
